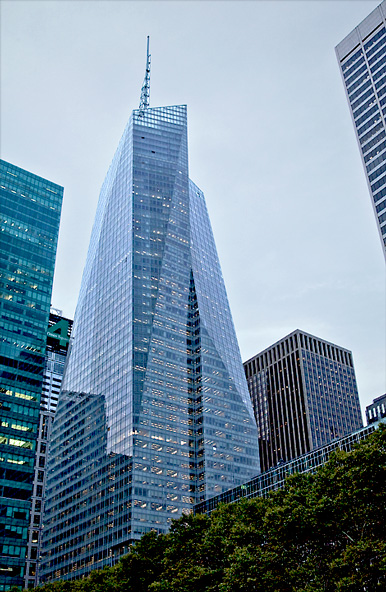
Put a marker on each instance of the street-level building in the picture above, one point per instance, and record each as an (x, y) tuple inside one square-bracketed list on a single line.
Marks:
[(274, 478)]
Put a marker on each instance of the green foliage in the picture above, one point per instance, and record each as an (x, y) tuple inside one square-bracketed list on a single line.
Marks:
[(143, 565), (60, 586), (320, 533)]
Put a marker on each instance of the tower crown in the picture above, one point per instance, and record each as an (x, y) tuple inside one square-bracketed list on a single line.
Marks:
[(145, 91)]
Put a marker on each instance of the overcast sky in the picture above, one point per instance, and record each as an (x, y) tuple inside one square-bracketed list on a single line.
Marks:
[(271, 144)]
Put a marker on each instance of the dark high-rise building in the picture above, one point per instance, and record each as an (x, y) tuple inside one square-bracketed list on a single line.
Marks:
[(154, 413), (362, 59), (30, 213), (304, 394), (58, 338), (377, 410)]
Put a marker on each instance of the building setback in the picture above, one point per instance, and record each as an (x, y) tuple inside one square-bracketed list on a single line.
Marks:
[(30, 214), (58, 338), (304, 394), (362, 60), (154, 413)]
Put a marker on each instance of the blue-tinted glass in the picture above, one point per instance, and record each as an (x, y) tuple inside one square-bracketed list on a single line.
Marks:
[(155, 413), (30, 212)]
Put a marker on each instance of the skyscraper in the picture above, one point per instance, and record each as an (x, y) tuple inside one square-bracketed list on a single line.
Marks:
[(155, 413), (304, 395), (362, 58), (58, 338), (30, 214)]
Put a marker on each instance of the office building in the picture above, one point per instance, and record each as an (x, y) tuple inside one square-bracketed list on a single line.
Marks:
[(274, 478), (154, 413), (377, 410), (58, 338), (304, 394), (362, 59), (30, 214)]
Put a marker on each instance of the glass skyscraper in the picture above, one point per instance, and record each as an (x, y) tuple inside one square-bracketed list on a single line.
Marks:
[(30, 209), (304, 395), (362, 59), (154, 413)]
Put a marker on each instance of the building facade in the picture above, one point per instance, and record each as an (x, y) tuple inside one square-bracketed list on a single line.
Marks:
[(362, 59), (58, 338), (304, 394), (154, 413), (30, 214), (273, 479), (377, 410)]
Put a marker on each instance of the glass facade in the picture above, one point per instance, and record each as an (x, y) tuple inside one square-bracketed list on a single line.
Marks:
[(274, 478), (154, 413), (362, 59), (304, 394), (30, 213)]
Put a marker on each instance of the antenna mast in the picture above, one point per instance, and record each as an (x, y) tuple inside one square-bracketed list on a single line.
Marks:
[(145, 91)]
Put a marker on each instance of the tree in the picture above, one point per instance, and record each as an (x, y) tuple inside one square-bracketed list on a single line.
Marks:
[(143, 565), (320, 533)]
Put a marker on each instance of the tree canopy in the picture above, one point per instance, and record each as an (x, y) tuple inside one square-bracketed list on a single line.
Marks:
[(323, 532)]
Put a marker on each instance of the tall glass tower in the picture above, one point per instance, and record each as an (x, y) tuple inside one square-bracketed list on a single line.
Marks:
[(30, 213), (362, 60), (154, 413)]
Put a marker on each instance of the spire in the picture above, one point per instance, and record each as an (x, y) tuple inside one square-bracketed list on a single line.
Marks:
[(145, 91)]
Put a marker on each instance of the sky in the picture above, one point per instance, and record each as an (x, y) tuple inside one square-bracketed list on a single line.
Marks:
[(271, 144)]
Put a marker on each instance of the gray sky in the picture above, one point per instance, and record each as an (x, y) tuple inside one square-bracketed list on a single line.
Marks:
[(271, 144)]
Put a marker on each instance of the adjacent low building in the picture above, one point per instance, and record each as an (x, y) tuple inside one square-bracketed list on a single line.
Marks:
[(274, 478), (304, 394), (377, 410)]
